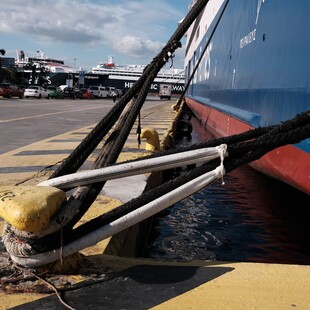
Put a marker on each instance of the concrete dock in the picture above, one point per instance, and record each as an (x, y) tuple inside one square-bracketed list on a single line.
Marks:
[(103, 281), (143, 284)]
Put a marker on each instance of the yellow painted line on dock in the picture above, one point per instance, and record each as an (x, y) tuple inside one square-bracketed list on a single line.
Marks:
[(50, 151), (208, 285), (16, 160)]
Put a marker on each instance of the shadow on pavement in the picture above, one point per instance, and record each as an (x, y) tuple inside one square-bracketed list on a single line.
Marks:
[(138, 287)]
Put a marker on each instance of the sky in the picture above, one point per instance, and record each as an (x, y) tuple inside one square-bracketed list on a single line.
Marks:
[(84, 33)]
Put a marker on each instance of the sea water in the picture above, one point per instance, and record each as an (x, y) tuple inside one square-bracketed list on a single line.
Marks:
[(250, 218)]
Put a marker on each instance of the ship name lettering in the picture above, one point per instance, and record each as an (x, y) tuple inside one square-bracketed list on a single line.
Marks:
[(178, 88), (248, 39), (128, 84), (88, 77)]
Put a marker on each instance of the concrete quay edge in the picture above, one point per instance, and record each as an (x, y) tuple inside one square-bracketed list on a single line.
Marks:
[(135, 283)]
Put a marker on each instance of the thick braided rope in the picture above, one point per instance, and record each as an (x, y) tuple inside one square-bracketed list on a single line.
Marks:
[(88, 194), (299, 130), (231, 163), (111, 150), (86, 147), (75, 160), (79, 155)]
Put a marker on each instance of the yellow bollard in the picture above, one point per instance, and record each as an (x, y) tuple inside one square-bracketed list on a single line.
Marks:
[(152, 139), (175, 108), (29, 208)]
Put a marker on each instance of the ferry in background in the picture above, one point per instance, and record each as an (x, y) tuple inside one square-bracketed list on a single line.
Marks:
[(124, 76), (26, 63), (254, 73), (105, 74), (45, 70)]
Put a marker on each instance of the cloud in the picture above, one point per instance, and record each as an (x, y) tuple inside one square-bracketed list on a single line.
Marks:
[(136, 47), (135, 28), (60, 20)]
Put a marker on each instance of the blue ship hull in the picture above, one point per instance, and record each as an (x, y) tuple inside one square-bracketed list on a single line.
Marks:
[(256, 69)]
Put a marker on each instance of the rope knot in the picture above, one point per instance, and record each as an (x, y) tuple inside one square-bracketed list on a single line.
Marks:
[(169, 52), (220, 170)]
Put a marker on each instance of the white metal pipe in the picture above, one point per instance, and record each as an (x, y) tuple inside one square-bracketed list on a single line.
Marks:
[(71, 207), (124, 222), (133, 168)]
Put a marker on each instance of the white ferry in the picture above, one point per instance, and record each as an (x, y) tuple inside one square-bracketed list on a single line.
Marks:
[(124, 76), (26, 63), (105, 74)]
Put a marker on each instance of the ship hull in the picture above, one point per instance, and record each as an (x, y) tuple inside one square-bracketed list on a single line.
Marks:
[(123, 83), (255, 72), (126, 83), (288, 164)]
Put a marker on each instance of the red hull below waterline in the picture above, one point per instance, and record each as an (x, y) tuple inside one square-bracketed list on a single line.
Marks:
[(288, 164)]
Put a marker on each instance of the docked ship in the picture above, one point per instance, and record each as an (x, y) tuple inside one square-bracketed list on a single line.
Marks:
[(41, 69), (106, 74), (26, 63), (253, 70), (124, 76)]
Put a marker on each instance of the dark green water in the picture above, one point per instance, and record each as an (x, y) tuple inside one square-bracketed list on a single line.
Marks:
[(250, 218)]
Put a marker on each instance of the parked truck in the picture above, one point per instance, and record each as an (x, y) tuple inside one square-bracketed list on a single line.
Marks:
[(165, 91)]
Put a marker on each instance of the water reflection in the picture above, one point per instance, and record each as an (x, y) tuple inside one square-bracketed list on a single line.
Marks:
[(250, 218)]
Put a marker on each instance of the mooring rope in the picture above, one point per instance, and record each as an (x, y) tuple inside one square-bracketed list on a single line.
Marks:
[(75, 208), (87, 146), (123, 222), (113, 146), (243, 148), (240, 153), (110, 152)]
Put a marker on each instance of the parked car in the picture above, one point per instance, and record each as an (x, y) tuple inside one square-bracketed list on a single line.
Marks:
[(36, 91), (55, 92), (72, 92), (10, 90), (62, 87), (119, 92), (16, 91), (87, 94), (5, 90), (98, 91), (111, 91)]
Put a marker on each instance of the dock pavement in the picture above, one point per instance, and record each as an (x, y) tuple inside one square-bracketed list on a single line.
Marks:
[(104, 281)]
